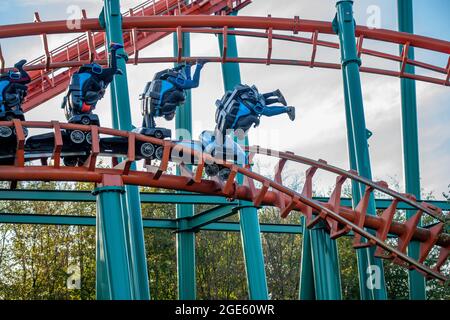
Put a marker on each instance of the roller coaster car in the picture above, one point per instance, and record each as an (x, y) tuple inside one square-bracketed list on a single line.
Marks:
[(85, 119), (228, 151), (76, 143), (8, 133), (118, 146), (8, 140), (75, 150)]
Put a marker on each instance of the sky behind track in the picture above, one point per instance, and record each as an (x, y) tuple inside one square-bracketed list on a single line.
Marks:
[(319, 130)]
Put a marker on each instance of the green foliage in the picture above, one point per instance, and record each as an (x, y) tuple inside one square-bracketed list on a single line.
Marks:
[(282, 256), (161, 263), (220, 267), (349, 269), (34, 259)]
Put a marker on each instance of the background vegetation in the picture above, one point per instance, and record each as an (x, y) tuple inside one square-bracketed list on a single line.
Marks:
[(34, 259)]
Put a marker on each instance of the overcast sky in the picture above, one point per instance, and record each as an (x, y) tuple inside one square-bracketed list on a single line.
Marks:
[(319, 130)]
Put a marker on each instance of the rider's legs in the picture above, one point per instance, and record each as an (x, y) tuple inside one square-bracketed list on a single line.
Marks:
[(276, 110), (194, 82), (279, 97), (270, 101), (196, 78)]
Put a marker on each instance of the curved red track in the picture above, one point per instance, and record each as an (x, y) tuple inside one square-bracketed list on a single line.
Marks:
[(144, 30), (47, 85), (47, 82), (340, 220)]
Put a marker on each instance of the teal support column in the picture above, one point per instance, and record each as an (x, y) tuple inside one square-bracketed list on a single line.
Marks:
[(307, 290), (248, 216), (361, 254), (113, 269), (185, 240), (410, 141), (111, 18), (344, 26), (320, 277), (325, 264)]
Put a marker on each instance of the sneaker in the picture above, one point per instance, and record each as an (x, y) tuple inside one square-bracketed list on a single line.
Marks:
[(20, 64), (291, 113), (280, 96)]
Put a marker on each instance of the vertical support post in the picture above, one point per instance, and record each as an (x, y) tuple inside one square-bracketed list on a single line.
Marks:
[(113, 269), (307, 290), (410, 142), (325, 264), (185, 240), (344, 26), (361, 254), (248, 216), (320, 276), (121, 117)]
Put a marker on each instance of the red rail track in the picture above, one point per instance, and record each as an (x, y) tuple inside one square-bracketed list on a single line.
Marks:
[(47, 83), (144, 26), (159, 26), (340, 220)]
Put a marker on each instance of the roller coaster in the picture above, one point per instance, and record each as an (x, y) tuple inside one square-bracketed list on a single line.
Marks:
[(64, 156)]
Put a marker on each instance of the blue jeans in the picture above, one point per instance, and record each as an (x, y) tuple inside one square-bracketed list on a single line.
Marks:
[(188, 83), (273, 111)]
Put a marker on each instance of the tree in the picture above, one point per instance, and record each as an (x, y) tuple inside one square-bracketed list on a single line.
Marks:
[(34, 259)]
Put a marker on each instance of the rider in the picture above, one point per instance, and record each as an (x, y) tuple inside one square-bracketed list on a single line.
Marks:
[(13, 88), (242, 108), (166, 91), (88, 85)]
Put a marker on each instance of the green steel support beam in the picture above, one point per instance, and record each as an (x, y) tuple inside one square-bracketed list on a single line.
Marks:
[(168, 197), (344, 25), (170, 224), (184, 198), (113, 268), (185, 240), (307, 290), (157, 223), (86, 196), (265, 227), (325, 265), (121, 117), (206, 217), (361, 254), (46, 219), (248, 216), (410, 138)]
